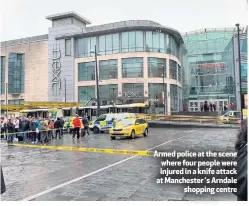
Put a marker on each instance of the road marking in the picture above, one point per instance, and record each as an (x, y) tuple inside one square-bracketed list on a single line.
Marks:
[(85, 149), (97, 171)]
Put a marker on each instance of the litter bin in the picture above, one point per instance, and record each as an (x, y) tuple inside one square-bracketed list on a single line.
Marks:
[(3, 187)]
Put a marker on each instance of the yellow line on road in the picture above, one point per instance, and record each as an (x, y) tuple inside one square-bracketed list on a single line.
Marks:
[(85, 149)]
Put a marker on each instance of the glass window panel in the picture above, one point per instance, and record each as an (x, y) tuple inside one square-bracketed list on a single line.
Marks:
[(125, 42), (102, 45), (172, 69), (115, 39), (86, 93), (155, 67), (108, 69), (162, 42), (68, 47), (139, 41), (132, 67), (149, 41), (86, 71), (132, 41), (92, 48), (131, 90), (3, 69), (16, 73), (108, 92), (156, 42), (108, 39)]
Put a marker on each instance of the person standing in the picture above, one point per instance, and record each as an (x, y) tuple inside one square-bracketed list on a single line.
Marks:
[(43, 132), (33, 130), (61, 125), (3, 129), (17, 122), (51, 128), (57, 126), (86, 124), (76, 125), (10, 131), (38, 123)]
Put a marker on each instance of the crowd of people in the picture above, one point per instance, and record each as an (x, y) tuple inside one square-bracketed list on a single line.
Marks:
[(39, 130), (31, 129)]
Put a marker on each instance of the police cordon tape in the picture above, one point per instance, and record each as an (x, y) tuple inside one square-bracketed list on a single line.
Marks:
[(85, 149), (23, 132)]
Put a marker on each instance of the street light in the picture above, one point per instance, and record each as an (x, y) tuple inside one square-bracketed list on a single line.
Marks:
[(65, 81), (240, 84), (97, 80), (164, 91)]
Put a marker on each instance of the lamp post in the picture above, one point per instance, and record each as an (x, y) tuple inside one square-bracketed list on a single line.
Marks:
[(164, 92), (6, 98), (97, 80), (65, 82), (239, 59)]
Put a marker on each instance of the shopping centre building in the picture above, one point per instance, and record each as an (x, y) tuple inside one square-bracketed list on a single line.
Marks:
[(137, 60), (134, 59), (212, 74)]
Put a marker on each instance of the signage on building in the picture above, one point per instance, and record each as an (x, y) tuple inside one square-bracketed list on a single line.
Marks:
[(133, 94), (208, 68), (56, 68)]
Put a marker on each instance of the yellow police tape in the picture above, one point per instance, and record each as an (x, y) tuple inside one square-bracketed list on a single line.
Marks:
[(84, 149)]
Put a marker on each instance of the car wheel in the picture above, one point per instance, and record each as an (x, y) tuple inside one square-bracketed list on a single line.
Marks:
[(133, 134), (146, 132), (113, 137), (95, 130)]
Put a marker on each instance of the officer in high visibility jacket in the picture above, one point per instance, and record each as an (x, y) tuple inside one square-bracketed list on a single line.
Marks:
[(77, 126)]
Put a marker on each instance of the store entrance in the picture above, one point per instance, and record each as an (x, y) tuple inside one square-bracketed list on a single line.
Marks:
[(197, 105)]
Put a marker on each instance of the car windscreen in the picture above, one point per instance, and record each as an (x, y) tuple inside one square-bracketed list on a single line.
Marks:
[(101, 117), (127, 121)]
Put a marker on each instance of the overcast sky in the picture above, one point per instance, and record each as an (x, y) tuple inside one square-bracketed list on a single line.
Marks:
[(23, 18)]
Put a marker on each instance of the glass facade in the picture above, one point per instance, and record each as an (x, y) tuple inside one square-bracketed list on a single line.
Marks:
[(210, 72), (155, 42), (2, 74), (132, 41), (132, 68), (175, 97), (108, 92), (131, 90), (85, 46), (156, 98), (173, 69), (16, 73), (108, 69), (86, 71), (86, 93), (109, 44), (15, 102), (155, 67)]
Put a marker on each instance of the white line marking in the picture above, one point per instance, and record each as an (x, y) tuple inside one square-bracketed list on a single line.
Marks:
[(97, 171)]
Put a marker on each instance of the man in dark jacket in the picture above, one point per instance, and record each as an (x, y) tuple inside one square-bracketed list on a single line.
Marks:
[(61, 125), (33, 128), (85, 123), (10, 131), (57, 126), (241, 176)]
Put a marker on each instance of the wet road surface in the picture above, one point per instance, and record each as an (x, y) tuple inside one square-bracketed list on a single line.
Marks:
[(51, 175)]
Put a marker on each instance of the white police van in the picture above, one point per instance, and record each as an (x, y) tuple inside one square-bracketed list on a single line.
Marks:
[(105, 121)]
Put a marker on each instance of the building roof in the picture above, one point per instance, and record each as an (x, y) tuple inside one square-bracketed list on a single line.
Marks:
[(68, 14), (25, 40), (125, 26)]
